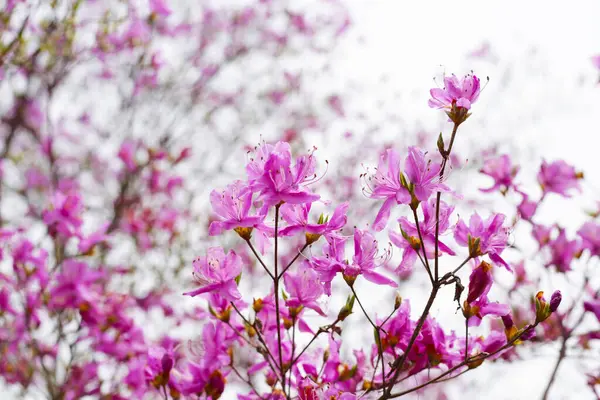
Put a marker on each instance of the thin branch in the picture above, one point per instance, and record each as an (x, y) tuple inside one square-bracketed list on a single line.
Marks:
[(259, 259), (276, 289), (422, 246), (293, 260)]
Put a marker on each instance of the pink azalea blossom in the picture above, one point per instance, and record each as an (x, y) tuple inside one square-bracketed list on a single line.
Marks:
[(363, 263), (273, 176), (232, 205), (296, 215), (590, 237), (386, 185), (217, 272), (501, 170), (421, 179), (63, 217), (332, 261), (481, 307), (483, 237), (541, 234), (75, 285), (160, 7), (462, 92), (562, 251), (527, 208), (422, 174), (558, 177), (410, 235), (304, 289)]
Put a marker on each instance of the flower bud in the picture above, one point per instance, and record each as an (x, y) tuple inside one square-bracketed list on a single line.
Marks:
[(397, 301), (474, 247), (555, 300), (347, 308), (257, 305), (544, 309), (480, 281)]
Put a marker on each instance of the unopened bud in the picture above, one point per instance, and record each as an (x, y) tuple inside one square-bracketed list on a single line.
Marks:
[(257, 305), (555, 300), (397, 301), (347, 308), (542, 308)]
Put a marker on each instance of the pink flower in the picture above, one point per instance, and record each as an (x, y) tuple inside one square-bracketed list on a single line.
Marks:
[(271, 174), (74, 286), (386, 185), (408, 239), (232, 205), (138, 32), (596, 61), (593, 306), (363, 263), (527, 208), (87, 243), (159, 364), (541, 234), (481, 307), (483, 237), (421, 180), (332, 261), (296, 215), (160, 8), (502, 171), (558, 177), (127, 154), (562, 251), (217, 273), (365, 257), (462, 92), (304, 289), (423, 177), (36, 179), (63, 217), (590, 236)]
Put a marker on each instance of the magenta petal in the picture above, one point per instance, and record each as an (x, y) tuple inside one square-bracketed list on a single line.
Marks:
[(379, 279), (383, 215), (303, 327), (256, 367), (203, 289), (496, 258), (215, 228)]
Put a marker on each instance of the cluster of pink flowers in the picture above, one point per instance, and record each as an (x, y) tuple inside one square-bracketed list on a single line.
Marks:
[(273, 208), (103, 225)]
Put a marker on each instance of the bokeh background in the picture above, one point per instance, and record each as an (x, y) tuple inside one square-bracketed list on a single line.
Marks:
[(352, 79)]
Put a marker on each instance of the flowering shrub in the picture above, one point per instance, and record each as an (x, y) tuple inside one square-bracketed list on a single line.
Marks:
[(274, 205), (96, 228)]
